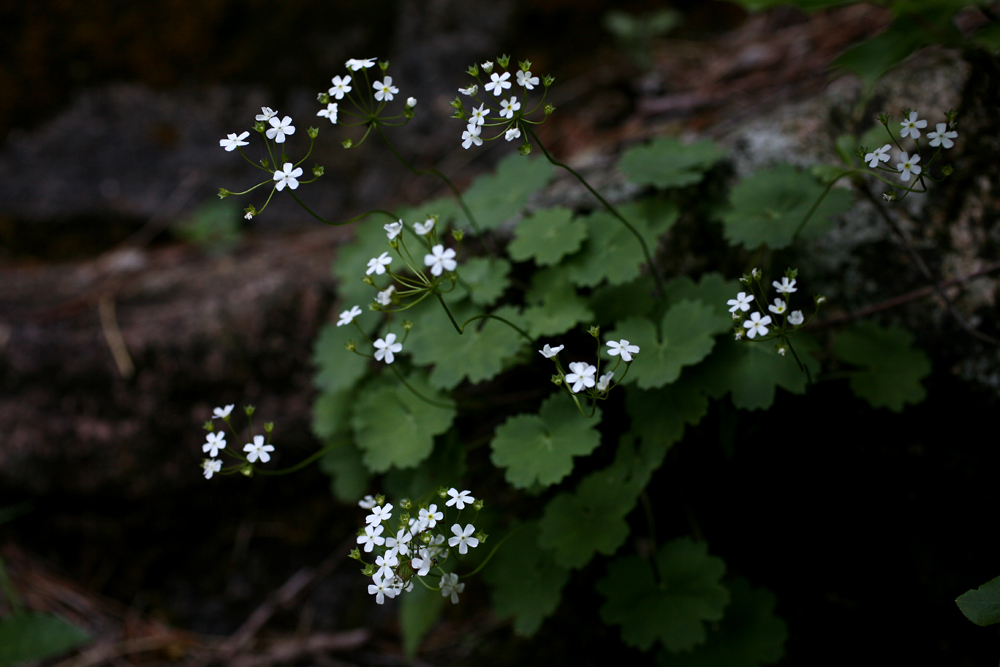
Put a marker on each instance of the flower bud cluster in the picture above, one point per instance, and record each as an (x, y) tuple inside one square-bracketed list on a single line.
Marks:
[(258, 450)]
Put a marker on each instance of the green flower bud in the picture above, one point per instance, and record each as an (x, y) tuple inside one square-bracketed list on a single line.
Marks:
[(313, 132), (368, 570), (525, 148), (595, 331), (383, 65), (347, 143), (478, 505), (355, 553), (209, 426), (367, 280), (548, 80), (407, 325), (319, 170), (503, 61), (349, 346), (264, 163), (883, 118), (247, 470), (405, 504), (249, 409), (948, 170), (525, 65), (223, 193), (260, 127), (457, 234), (481, 537), (473, 70), (457, 102), (791, 274), (323, 98), (549, 109), (443, 492), (268, 427), (557, 380), (819, 299)]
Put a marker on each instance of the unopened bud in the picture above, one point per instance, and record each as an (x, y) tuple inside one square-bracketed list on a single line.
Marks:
[(525, 148), (525, 65), (313, 132), (549, 109), (478, 505), (458, 234), (247, 470), (368, 280), (223, 193), (595, 331), (557, 380), (355, 554), (209, 426), (548, 80), (323, 98), (268, 427), (349, 346), (260, 127), (503, 61), (473, 70), (405, 504), (411, 102), (383, 65), (249, 409), (948, 170), (407, 325), (347, 143), (318, 170)]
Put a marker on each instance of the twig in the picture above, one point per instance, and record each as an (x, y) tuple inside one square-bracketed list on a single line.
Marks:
[(287, 650), (113, 336)]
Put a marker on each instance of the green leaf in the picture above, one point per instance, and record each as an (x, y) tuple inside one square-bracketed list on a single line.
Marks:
[(496, 198), (672, 607), (351, 262), (890, 368), (484, 279), (349, 476), (981, 605), (768, 206), (660, 416), (525, 583), (712, 289), (667, 163), (37, 635), (873, 57), (611, 303), (337, 368), (444, 467), (556, 306), (547, 236), (393, 427), (332, 412), (539, 449), (685, 338), (749, 635), (418, 611)]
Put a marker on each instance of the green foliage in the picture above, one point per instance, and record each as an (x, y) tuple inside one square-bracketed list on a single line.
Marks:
[(616, 302), (889, 369), (539, 449), (556, 306), (446, 208), (872, 58), (496, 198), (484, 280), (712, 289), (669, 604), (982, 605), (444, 467), (660, 416), (667, 163), (337, 369), (349, 478), (768, 206), (37, 635), (547, 236), (214, 226), (419, 609), (351, 262), (525, 583)]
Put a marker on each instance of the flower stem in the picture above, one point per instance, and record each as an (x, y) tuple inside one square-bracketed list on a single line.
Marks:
[(301, 464), (461, 329), (429, 401), (345, 222)]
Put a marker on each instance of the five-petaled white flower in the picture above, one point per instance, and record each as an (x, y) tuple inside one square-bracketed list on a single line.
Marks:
[(912, 126), (459, 500), (604, 381), (463, 538), (287, 176), (279, 129), (549, 352), (348, 316), (741, 302), (512, 133), (471, 136), (267, 114), (368, 502), (623, 348), (385, 564), (379, 514), (384, 90), (258, 450), (232, 141), (478, 116), (795, 318), (222, 413), (508, 107), (329, 112), (525, 79), (779, 307), (215, 442), (393, 229), (878, 155), (451, 587), (386, 349), (400, 543), (372, 537), (470, 91), (422, 565), (377, 265), (908, 165), (756, 325), (381, 589), (785, 286), (341, 86), (423, 229), (355, 65), (384, 298), (210, 467), (498, 83), (938, 138), (440, 260), (429, 517), (582, 375)]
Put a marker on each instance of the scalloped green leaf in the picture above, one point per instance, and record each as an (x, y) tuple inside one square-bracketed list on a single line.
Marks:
[(981, 605), (768, 206), (611, 303), (444, 467), (349, 477), (539, 449), (674, 606), (496, 198), (525, 583), (484, 279), (337, 367), (873, 57), (686, 337), (37, 635), (419, 610), (748, 635), (547, 236), (667, 163), (712, 289), (395, 428), (890, 369), (661, 415), (332, 412), (556, 306)]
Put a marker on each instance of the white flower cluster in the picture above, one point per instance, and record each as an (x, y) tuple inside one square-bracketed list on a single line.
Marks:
[(416, 547), (259, 450), (908, 165), (583, 375), (758, 325)]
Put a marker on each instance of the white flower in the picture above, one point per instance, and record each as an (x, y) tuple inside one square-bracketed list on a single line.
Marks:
[(512, 134), (248, 216), (582, 375), (782, 350), (381, 590), (385, 564), (355, 65), (329, 112), (526, 80), (498, 83), (386, 349), (340, 87), (384, 90), (372, 537), (377, 265), (222, 413), (911, 125), (549, 352), (471, 136), (422, 565), (508, 107), (348, 316), (287, 176), (779, 307), (463, 538), (908, 165), (741, 302), (258, 450), (488, 66), (478, 116), (739, 334), (756, 325), (604, 381), (279, 129), (425, 228), (267, 114), (470, 91), (938, 138), (440, 260), (795, 318), (785, 286), (232, 141), (430, 516), (393, 229), (400, 543), (384, 298), (216, 441), (459, 500), (623, 348), (379, 514), (368, 502), (210, 467), (411, 102), (451, 587), (878, 155)]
